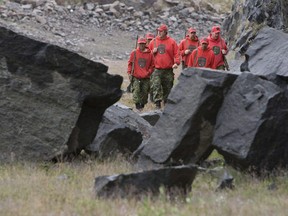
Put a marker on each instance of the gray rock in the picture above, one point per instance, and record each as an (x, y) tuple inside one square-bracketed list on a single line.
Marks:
[(89, 6), (267, 56), (121, 130), (184, 132), (175, 180), (46, 91), (226, 181), (250, 131), (255, 14), (27, 7)]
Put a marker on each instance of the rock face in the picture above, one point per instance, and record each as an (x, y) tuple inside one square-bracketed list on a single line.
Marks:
[(251, 128), (121, 130), (46, 91), (268, 55), (248, 16), (176, 180), (77, 26), (184, 131)]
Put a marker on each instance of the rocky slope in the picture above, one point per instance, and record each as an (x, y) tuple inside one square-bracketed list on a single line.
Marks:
[(99, 31)]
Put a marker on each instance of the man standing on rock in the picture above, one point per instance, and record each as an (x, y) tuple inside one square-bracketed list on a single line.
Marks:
[(140, 67), (187, 45), (166, 56), (219, 47), (203, 56)]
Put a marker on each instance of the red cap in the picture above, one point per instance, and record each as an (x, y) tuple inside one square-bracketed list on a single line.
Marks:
[(204, 40), (215, 29), (149, 36), (141, 40), (191, 30), (162, 27)]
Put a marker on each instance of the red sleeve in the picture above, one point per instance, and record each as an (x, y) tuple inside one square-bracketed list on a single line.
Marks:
[(182, 48), (212, 63), (130, 62), (151, 45), (176, 54), (152, 66), (191, 59), (224, 46)]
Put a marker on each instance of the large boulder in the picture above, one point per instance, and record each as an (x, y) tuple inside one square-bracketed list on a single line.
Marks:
[(47, 92), (120, 131), (268, 53), (251, 128), (176, 180), (184, 132)]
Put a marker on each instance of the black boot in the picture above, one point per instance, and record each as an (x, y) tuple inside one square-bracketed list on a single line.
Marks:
[(158, 104), (139, 106)]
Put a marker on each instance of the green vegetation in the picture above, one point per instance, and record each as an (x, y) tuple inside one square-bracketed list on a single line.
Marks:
[(67, 189)]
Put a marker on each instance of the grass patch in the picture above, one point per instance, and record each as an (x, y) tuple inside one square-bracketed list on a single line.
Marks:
[(67, 189)]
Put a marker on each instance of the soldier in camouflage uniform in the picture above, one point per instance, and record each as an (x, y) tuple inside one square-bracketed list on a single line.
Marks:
[(149, 36), (140, 67), (219, 47), (166, 57), (203, 56), (187, 45)]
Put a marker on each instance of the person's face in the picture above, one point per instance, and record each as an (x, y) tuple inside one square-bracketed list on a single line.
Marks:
[(142, 46), (215, 35), (192, 35), (162, 34), (148, 41), (204, 46)]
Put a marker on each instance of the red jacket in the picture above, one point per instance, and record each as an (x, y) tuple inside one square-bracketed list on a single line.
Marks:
[(185, 44), (202, 58), (144, 63), (167, 54), (217, 46)]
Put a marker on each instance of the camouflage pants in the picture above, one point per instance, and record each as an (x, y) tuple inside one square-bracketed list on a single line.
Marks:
[(221, 67), (162, 83), (140, 90)]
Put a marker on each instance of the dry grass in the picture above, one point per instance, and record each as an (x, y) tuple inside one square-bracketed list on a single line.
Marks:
[(67, 189)]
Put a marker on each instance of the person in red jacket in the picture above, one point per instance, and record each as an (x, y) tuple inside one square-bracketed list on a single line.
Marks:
[(140, 67), (166, 57), (149, 36), (187, 45), (219, 47), (203, 56)]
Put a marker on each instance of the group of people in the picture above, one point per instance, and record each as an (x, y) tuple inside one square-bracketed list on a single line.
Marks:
[(151, 64)]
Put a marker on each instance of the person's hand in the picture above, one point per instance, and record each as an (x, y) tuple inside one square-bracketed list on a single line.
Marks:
[(175, 66), (187, 52), (155, 50), (224, 51)]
